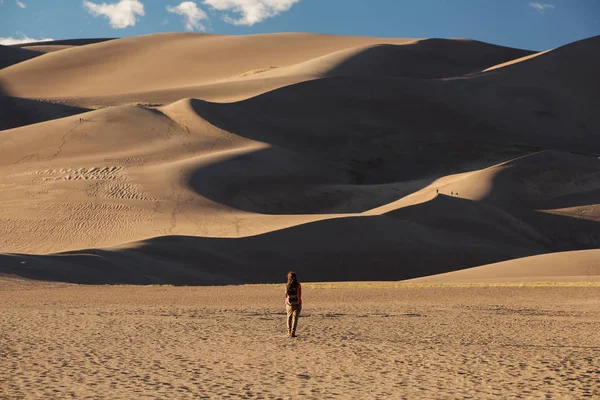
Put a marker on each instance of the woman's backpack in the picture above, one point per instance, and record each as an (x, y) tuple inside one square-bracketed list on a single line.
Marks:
[(292, 295)]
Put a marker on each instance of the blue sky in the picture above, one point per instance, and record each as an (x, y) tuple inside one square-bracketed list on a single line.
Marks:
[(518, 23)]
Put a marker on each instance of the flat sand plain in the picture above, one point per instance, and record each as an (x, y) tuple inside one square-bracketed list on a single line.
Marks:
[(362, 340)]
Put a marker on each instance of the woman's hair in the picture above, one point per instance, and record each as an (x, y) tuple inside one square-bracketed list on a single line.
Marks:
[(292, 280)]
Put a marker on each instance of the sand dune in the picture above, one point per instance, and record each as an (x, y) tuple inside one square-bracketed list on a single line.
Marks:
[(64, 42), (16, 112), (11, 55), (549, 96), (542, 180), (571, 62), (209, 62), (395, 246), (48, 48), (298, 56), (379, 158), (57, 45), (173, 159), (515, 61), (546, 180), (425, 59), (563, 267), (385, 123)]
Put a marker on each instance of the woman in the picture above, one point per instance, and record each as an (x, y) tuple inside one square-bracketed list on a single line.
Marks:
[(293, 302)]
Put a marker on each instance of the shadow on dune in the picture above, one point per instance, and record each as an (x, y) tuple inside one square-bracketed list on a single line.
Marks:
[(360, 132), (10, 55), (406, 132), (545, 180), (488, 220), (426, 59), (277, 181), (408, 243), (65, 42), (547, 102), (16, 112)]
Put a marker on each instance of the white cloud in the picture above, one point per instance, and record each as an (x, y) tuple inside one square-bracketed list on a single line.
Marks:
[(251, 11), (7, 41), (121, 14), (541, 7), (192, 15), (21, 4)]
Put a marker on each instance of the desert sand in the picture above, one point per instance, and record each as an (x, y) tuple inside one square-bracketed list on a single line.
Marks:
[(468, 169), (354, 341)]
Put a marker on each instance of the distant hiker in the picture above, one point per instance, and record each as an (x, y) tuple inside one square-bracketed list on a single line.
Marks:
[(452, 193), (293, 303), (437, 190), (80, 119)]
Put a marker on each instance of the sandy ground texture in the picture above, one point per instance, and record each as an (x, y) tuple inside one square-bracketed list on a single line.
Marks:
[(369, 340)]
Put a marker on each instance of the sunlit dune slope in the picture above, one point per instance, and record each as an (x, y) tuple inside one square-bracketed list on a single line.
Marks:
[(562, 267), (169, 60), (185, 63)]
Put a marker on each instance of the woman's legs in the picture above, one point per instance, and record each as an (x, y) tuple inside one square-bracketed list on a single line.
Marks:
[(293, 312), (295, 315), (289, 319)]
